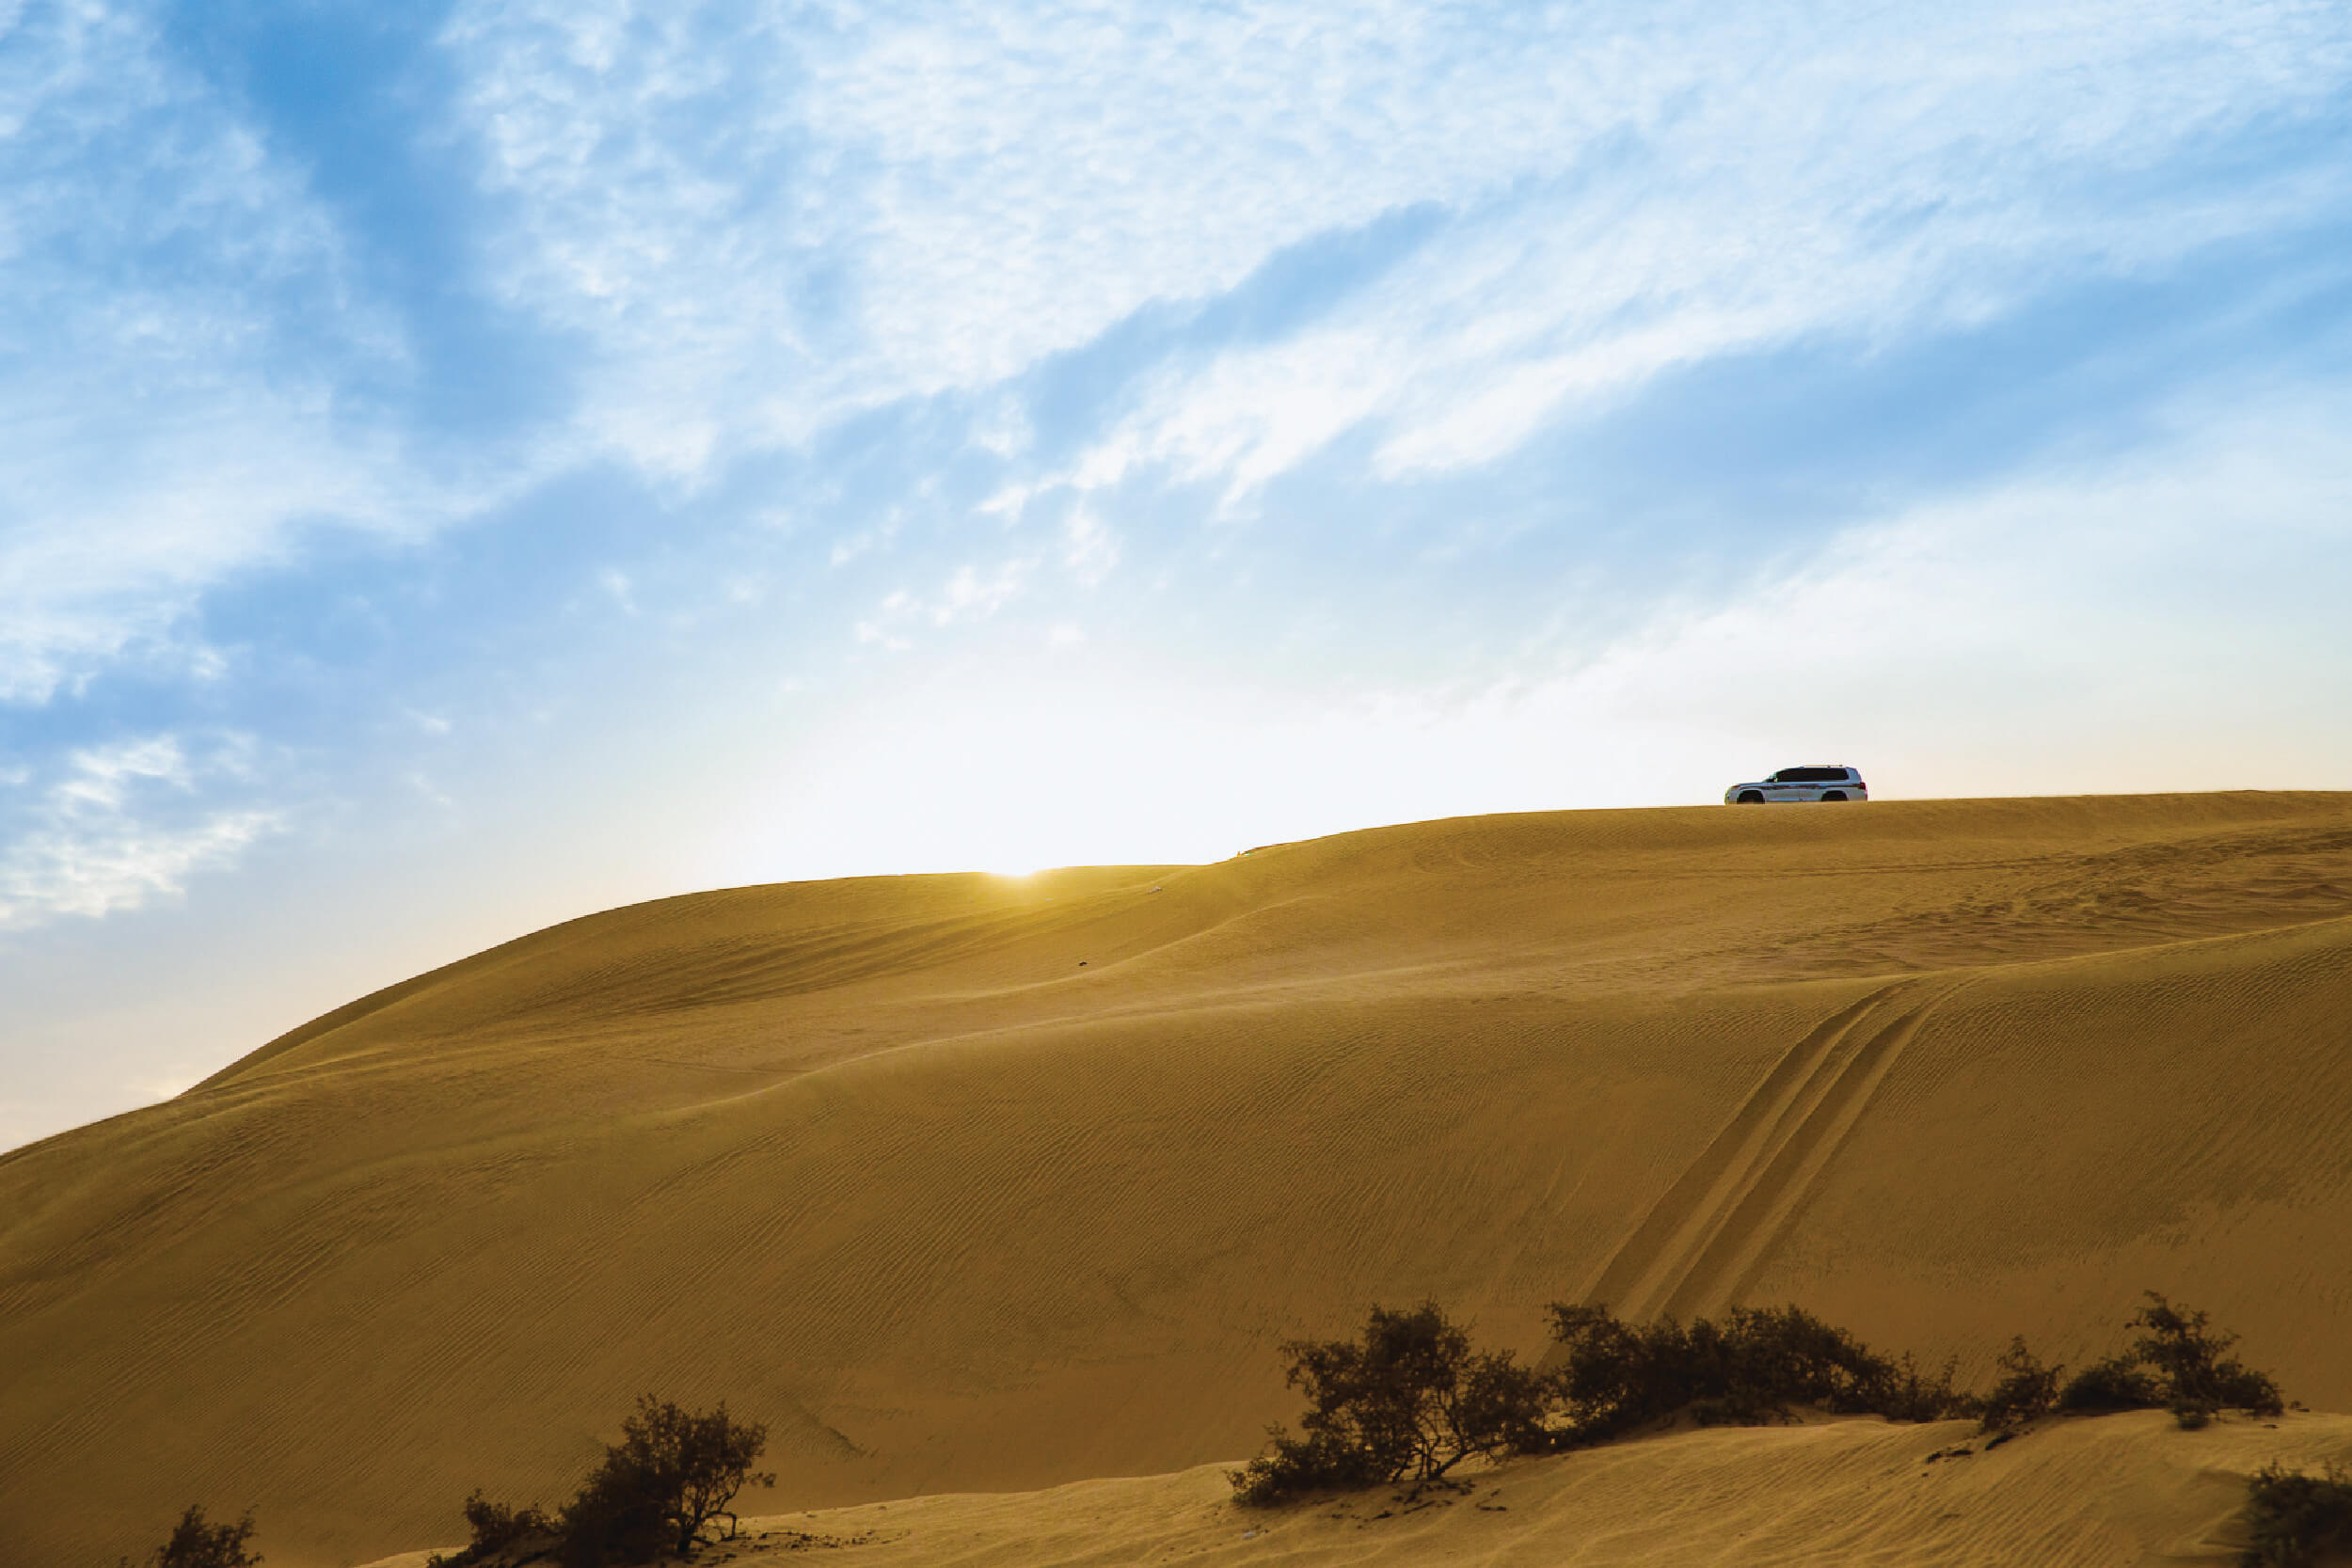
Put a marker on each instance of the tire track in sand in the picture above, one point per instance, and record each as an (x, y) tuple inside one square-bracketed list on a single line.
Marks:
[(1703, 1241)]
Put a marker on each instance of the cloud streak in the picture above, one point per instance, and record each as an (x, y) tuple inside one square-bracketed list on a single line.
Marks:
[(765, 226), (178, 317), (754, 223), (1946, 189), (122, 826)]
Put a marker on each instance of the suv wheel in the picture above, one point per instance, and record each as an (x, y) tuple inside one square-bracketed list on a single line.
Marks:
[(1751, 798), (1833, 794)]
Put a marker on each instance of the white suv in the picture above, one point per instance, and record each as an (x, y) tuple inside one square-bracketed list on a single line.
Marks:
[(1800, 784)]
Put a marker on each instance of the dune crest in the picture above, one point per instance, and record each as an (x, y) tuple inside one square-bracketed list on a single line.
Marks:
[(968, 1182)]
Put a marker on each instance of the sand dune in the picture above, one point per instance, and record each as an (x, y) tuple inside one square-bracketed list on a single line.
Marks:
[(2118, 1492), (969, 1184)]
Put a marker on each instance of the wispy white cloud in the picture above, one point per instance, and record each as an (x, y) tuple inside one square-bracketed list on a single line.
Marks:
[(617, 585), (971, 593), (125, 824), (767, 220), (757, 219), (1090, 547), (1921, 174), (766, 217), (174, 312)]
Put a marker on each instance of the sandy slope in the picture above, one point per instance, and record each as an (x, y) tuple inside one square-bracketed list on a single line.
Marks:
[(966, 1184), (2119, 1492)]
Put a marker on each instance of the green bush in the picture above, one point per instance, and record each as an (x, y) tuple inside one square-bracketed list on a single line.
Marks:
[(2293, 1520), (2177, 1362), (1907, 1394), (2117, 1383), (195, 1542), (618, 1515), (2025, 1390), (672, 1473), (2190, 1362), (1407, 1401), (1290, 1467), (1751, 1369), (497, 1529), (1411, 1399)]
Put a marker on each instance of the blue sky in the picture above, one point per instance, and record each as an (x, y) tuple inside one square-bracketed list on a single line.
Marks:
[(470, 466)]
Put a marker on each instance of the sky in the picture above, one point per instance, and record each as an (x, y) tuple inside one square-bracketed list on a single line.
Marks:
[(464, 465)]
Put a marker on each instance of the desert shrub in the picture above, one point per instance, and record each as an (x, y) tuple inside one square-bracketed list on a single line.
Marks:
[(1319, 1462), (672, 1473), (497, 1529), (197, 1543), (2191, 1363), (2178, 1361), (1907, 1394), (618, 1515), (1407, 1401), (2116, 1382), (1749, 1370), (2025, 1390), (1411, 1399), (1616, 1375), (1773, 1357), (2295, 1519), (1781, 1356)]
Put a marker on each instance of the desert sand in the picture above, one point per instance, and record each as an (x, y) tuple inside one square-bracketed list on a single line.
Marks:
[(969, 1184), (2118, 1491)]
